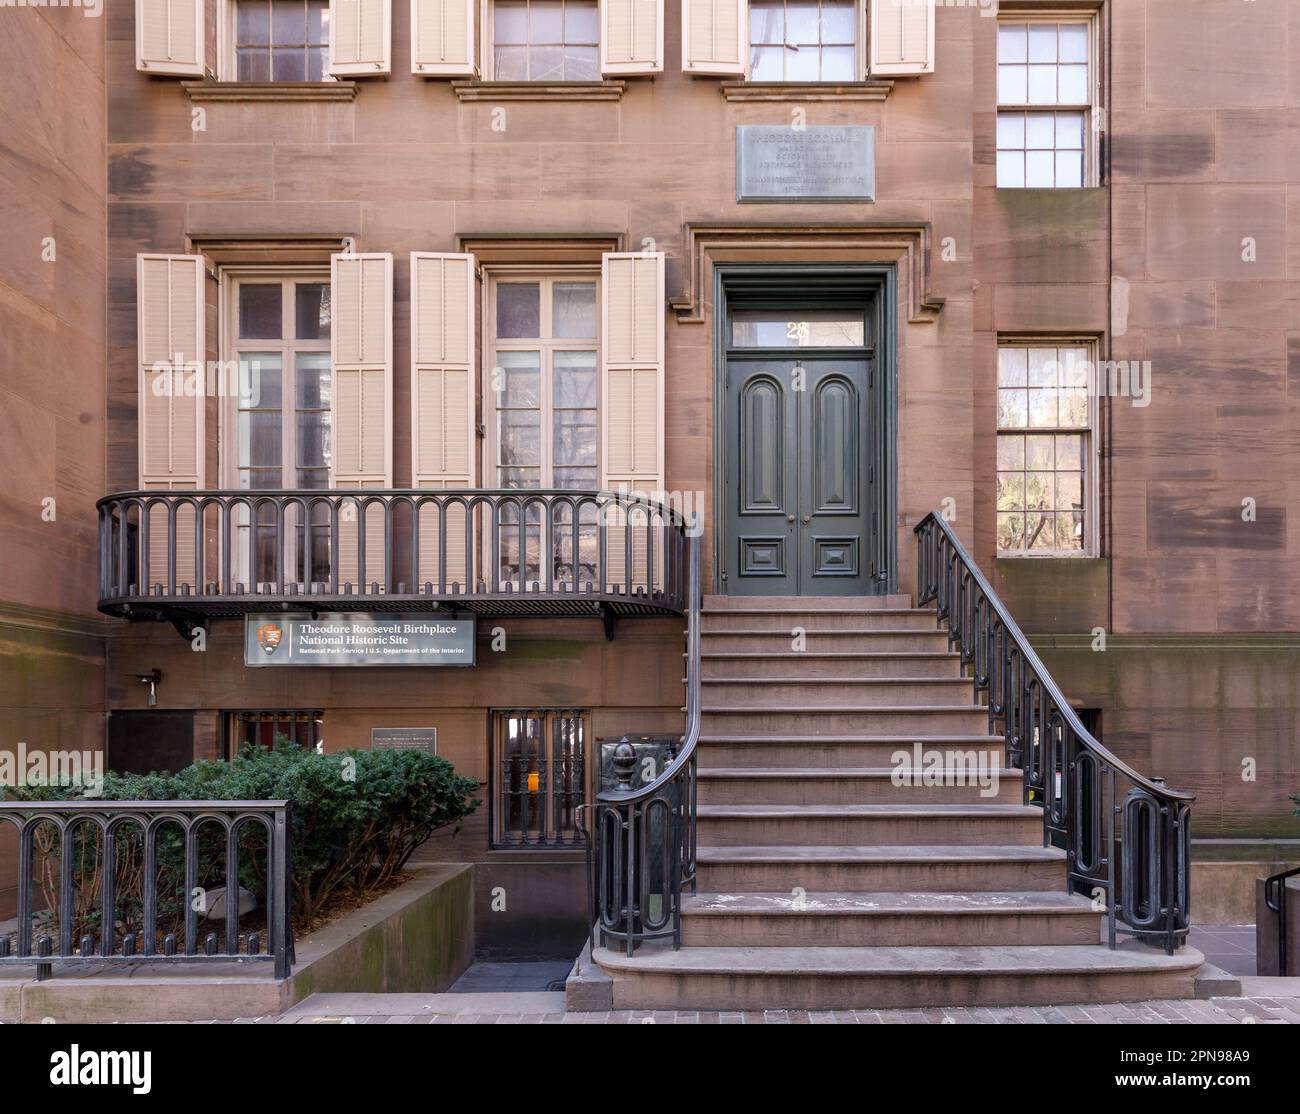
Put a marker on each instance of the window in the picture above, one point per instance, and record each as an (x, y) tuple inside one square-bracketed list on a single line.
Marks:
[(545, 40), (802, 40), (1045, 100), (1044, 450), (277, 434), (800, 328), (281, 40), (265, 729), (539, 763), (545, 392)]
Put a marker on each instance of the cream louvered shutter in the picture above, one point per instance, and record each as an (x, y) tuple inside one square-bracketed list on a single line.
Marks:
[(902, 37), (360, 37), (361, 415), (169, 37), (170, 313), (714, 33), (631, 37), (632, 389), (442, 37), (442, 405)]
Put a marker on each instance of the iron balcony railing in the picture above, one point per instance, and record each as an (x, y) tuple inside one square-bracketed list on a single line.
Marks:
[(499, 552), (643, 847), (1275, 901), (112, 882), (1131, 850)]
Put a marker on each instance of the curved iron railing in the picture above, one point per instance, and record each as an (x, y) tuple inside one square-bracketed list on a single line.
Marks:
[(504, 551), (1275, 900), (1130, 851), (109, 823), (643, 845)]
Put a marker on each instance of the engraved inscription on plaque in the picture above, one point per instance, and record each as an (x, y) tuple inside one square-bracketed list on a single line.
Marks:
[(815, 163)]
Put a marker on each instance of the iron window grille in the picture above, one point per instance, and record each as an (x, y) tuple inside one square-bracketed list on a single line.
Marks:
[(265, 728), (539, 759)]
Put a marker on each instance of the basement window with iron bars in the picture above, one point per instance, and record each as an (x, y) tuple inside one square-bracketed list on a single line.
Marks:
[(273, 728), (539, 768)]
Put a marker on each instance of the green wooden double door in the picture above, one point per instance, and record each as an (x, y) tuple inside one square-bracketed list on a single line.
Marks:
[(803, 480)]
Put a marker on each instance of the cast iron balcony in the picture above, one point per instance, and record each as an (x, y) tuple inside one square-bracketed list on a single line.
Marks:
[(187, 556)]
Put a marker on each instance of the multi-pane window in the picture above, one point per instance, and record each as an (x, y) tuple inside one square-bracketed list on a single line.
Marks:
[(545, 40), (272, 728), (1044, 446), (802, 40), (281, 419), (545, 391), (1045, 98), (282, 40), (539, 764)]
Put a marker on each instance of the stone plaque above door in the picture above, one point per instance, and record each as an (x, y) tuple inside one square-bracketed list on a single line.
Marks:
[(782, 163)]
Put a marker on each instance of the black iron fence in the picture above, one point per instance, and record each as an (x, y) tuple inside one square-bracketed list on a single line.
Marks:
[(1126, 837), (495, 551), (1275, 901), (128, 882)]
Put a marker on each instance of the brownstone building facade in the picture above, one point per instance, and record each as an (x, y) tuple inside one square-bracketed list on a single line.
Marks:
[(499, 244)]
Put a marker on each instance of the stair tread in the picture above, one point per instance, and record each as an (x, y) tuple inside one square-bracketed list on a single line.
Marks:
[(900, 739), (776, 709), (796, 609), (760, 681), (868, 904), (908, 852), (780, 773), (934, 811), (837, 655), (1007, 960)]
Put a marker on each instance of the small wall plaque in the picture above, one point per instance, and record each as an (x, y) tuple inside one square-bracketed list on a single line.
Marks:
[(404, 738), (777, 163)]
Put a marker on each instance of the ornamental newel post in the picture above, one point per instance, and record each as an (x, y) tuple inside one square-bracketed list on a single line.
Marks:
[(624, 763)]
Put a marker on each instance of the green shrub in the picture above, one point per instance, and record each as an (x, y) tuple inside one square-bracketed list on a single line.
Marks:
[(356, 818)]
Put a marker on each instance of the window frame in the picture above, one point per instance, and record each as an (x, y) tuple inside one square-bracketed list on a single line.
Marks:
[(497, 786), (228, 64), (1091, 452), (487, 59), (230, 279), (546, 277), (232, 719), (1092, 128), (861, 19)]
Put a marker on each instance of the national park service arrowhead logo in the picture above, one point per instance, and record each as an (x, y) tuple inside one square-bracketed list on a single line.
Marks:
[(268, 636)]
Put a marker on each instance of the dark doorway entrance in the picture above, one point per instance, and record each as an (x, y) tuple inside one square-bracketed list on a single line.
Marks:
[(804, 439)]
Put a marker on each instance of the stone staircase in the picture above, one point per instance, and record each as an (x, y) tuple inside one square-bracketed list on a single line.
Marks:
[(825, 885)]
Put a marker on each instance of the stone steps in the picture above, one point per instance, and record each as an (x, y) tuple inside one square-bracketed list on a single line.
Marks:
[(791, 666), (878, 825), (848, 785), (786, 619), (926, 919), (817, 639), (765, 868), (807, 604), (762, 718), (773, 752), (723, 693), (825, 978)]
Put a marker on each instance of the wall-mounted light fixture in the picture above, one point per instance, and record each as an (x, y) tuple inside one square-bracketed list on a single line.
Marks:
[(152, 679)]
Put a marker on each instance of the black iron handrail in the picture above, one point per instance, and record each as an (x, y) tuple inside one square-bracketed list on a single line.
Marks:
[(509, 550), (1134, 852), (109, 822), (1275, 899), (642, 853)]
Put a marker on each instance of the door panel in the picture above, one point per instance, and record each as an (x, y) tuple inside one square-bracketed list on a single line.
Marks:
[(797, 434)]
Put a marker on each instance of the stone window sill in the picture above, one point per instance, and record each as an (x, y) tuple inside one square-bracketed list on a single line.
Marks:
[(538, 90), (806, 90), (245, 91)]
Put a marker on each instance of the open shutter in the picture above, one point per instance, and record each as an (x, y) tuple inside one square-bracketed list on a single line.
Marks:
[(360, 37), (902, 37), (169, 37), (170, 313), (442, 404), (631, 37), (361, 416), (632, 390), (713, 36), (442, 37)]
